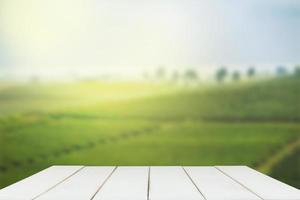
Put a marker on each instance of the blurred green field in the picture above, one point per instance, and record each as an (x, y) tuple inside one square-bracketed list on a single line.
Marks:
[(96, 123)]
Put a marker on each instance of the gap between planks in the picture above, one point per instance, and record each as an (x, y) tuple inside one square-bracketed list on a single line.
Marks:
[(148, 187), (59, 183), (194, 183), (239, 183), (104, 182)]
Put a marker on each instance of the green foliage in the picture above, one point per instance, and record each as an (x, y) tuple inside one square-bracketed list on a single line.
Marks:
[(251, 72), (221, 74), (281, 71), (284, 172), (175, 76), (191, 74), (297, 71), (161, 73), (236, 76)]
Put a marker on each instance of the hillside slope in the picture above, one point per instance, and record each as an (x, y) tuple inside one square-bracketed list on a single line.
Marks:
[(271, 100)]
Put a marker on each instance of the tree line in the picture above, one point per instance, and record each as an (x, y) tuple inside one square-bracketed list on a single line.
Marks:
[(221, 74)]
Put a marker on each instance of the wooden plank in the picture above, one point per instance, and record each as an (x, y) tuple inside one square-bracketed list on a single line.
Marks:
[(171, 183), (81, 186), (215, 185), (126, 183), (37, 184), (262, 185)]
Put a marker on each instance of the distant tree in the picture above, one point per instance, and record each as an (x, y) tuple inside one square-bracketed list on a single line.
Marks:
[(175, 76), (34, 79), (281, 70), (297, 71), (146, 75), (161, 73), (221, 74), (251, 72), (236, 76), (191, 75)]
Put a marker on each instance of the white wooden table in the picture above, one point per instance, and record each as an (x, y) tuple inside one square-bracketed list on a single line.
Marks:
[(154, 183)]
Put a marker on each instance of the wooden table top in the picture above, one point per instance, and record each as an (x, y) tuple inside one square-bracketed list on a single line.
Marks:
[(149, 183)]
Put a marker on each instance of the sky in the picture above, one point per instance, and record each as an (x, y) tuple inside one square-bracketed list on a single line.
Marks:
[(136, 35)]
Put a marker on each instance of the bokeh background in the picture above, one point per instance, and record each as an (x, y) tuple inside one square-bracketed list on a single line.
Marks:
[(138, 82)]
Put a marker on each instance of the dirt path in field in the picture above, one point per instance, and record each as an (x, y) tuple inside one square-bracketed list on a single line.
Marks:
[(167, 118), (279, 155)]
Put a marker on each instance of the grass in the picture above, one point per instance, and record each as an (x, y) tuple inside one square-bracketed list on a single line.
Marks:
[(92, 123), (192, 143), (292, 175)]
